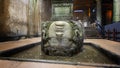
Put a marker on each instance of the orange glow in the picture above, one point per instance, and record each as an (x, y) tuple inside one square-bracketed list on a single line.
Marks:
[(109, 14), (89, 12)]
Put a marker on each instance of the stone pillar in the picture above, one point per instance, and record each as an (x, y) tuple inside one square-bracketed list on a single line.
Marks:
[(36, 18), (116, 10), (45, 10), (33, 18), (99, 16), (30, 18)]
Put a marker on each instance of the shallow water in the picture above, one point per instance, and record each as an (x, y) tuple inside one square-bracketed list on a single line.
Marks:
[(89, 55)]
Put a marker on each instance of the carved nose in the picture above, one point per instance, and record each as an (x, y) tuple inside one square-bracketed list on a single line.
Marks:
[(59, 34)]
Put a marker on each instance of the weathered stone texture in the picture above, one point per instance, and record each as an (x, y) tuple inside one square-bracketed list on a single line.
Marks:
[(17, 21), (3, 17), (13, 18), (19, 17), (63, 38), (34, 17)]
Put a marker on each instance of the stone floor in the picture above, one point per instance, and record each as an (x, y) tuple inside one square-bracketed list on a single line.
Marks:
[(17, 64), (19, 43), (111, 46)]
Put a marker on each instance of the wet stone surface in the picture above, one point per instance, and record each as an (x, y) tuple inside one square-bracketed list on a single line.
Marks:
[(88, 55)]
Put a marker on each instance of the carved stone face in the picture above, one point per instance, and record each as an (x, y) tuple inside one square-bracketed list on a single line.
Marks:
[(60, 32), (62, 38)]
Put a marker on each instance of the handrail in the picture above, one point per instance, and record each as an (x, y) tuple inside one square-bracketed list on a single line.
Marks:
[(101, 30)]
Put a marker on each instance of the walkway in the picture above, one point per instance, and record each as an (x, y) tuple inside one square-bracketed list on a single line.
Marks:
[(17, 64), (111, 46), (19, 43)]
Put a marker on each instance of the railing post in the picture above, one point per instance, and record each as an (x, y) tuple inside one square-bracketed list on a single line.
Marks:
[(108, 34), (114, 34)]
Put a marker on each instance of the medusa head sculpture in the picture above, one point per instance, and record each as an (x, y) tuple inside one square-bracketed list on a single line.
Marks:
[(64, 38)]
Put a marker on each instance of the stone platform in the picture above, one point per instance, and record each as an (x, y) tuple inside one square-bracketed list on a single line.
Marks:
[(13, 46), (110, 46), (17, 64)]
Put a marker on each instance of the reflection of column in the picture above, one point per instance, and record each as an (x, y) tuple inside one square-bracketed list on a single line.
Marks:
[(116, 10), (99, 16)]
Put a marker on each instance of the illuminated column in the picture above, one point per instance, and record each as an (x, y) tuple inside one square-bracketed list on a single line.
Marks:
[(99, 16), (116, 10)]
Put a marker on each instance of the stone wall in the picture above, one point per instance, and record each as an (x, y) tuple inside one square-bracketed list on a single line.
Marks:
[(19, 17), (17, 21), (13, 18)]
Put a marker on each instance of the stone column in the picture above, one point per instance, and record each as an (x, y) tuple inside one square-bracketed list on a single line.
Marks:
[(29, 23), (36, 17), (46, 10), (116, 10), (99, 16)]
